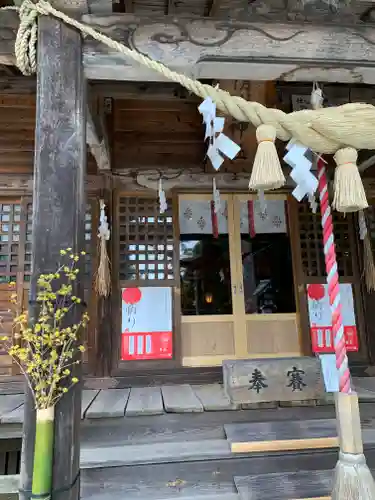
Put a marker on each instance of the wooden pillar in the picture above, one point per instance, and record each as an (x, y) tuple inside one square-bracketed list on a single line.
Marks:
[(58, 218)]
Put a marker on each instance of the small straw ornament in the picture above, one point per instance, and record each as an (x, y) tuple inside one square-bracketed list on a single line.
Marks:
[(349, 193), (267, 172), (368, 257), (103, 275)]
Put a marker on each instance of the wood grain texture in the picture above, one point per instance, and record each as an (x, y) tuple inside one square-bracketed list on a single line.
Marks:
[(180, 399), (10, 402), (108, 404), (273, 379), (274, 436), (145, 401), (58, 218), (264, 50), (15, 416), (213, 397), (287, 486), (115, 456), (88, 396)]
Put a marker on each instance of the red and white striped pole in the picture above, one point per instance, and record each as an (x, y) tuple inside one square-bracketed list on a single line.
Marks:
[(333, 281)]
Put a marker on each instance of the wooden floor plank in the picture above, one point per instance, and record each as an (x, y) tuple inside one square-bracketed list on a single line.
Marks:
[(10, 402), (115, 456), (109, 403), (282, 436), (286, 486), (145, 401), (9, 484), (158, 482), (13, 417), (180, 399), (213, 397), (88, 396)]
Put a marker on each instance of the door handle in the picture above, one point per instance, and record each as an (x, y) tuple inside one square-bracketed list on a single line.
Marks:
[(234, 289), (241, 288)]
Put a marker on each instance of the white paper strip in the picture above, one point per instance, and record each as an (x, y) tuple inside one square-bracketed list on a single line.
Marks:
[(296, 158), (330, 372), (220, 145)]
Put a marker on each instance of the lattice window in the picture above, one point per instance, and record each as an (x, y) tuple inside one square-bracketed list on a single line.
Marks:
[(29, 221), (88, 241), (311, 241), (16, 232), (146, 240), (10, 229)]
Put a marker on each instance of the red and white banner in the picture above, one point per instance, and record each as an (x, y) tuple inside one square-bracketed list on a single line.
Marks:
[(146, 323), (259, 220), (321, 318)]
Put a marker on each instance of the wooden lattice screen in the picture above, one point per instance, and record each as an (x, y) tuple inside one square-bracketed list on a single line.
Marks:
[(145, 240), (15, 263), (311, 243)]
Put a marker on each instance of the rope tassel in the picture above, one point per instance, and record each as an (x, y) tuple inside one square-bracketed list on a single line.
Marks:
[(267, 172), (368, 258), (103, 275), (349, 193)]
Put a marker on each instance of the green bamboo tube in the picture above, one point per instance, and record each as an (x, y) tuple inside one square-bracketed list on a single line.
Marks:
[(43, 452)]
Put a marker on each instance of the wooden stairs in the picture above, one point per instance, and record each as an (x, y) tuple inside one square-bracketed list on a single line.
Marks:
[(278, 454)]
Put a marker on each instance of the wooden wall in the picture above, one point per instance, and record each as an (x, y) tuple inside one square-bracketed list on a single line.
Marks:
[(17, 124), (159, 133)]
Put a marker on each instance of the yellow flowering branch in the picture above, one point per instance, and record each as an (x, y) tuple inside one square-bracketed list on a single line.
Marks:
[(46, 349)]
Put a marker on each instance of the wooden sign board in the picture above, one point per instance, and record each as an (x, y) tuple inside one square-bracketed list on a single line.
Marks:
[(266, 380)]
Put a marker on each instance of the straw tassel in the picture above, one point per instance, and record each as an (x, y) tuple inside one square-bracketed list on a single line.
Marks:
[(368, 257), (368, 264), (349, 193), (267, 172), (103, 274)]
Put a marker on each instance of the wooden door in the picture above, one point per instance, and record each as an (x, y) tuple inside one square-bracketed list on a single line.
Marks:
[(210, 314), (310, 266), (268, 323)]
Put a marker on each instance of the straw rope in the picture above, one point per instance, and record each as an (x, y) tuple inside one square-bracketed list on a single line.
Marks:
[(323, 131)]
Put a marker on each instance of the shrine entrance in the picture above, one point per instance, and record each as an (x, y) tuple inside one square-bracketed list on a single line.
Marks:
[(237, 286), (224, 284)]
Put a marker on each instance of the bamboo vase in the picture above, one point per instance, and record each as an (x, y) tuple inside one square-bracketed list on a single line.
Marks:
[(43, 453)]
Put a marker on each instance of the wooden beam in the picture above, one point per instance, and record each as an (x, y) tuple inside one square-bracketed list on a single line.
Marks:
[(97, 140), (58, 220), (216, 49)]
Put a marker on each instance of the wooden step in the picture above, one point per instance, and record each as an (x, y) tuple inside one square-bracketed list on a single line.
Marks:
[(304, 485), (282, 436)]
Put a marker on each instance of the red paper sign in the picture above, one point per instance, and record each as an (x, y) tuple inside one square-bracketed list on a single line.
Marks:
[(146, 323), (153, 345), (322, 339)]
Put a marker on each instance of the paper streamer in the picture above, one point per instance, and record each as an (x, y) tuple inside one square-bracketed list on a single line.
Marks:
[(220, 145)]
